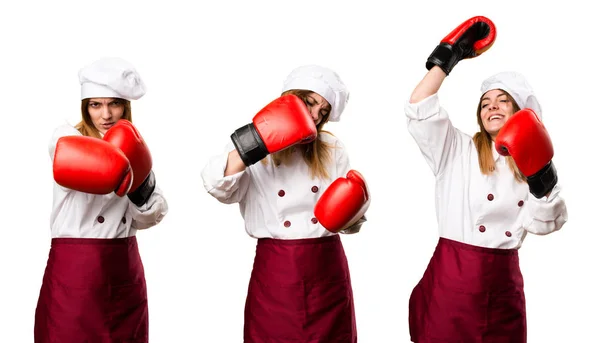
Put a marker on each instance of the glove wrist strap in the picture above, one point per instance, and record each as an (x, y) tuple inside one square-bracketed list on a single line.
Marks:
[(141, 195), (543, 181), (444, 57), (249, 145)]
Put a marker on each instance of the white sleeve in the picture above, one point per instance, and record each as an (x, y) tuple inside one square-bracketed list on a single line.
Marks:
[(342, 160), (151, 213), (439, 141), (227, 189), (343, 167), (547, 214)]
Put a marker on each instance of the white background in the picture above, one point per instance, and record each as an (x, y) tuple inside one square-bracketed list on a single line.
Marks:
[(210, 67)]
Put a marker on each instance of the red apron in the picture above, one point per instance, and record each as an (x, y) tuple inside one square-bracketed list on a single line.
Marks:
[(93, 291), (469, 294), (300, 291)]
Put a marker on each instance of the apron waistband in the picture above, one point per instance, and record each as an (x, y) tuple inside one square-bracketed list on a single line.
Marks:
[(485, 250), (94, 241), (317, 240)]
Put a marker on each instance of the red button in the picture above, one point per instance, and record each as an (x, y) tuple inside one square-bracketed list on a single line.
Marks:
[(490, 197), (123, 220), (481, 228), (508, 234), (281, 192), (520, 203), (314, 189), (287, 223), (314, 220), (100, 219)]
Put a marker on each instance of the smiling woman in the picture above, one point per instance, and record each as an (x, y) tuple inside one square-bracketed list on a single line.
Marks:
[(495, 107), (486, 200)]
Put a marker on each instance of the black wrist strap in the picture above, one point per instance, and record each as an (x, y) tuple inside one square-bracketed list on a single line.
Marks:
[(443, 57), (249, 145), (141, 195), (543, 181)]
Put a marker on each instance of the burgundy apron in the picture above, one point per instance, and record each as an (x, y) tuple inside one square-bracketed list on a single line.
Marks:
[(93, 291), (469, 294), (300, 291)]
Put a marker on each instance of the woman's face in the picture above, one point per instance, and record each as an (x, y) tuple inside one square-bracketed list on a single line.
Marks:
[(105, 112), (496, 108), (317, 106)]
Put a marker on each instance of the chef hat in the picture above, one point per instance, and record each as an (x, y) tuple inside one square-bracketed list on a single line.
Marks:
[(111, 78), (514, 84), (322, 81)]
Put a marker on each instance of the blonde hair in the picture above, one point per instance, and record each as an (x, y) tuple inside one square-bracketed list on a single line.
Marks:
[(483, 144), (316, 154), (87, 127)]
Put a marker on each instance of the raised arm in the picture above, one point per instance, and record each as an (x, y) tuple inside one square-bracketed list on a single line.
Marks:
[(428, 122), (429, 85)]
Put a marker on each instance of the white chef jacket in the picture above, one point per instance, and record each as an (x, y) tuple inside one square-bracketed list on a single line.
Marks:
[(82, 215), (494, 211), (276, 202)]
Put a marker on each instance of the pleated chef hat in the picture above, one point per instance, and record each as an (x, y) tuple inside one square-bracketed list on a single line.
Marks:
[(111, 77), (517, 86), (322, 81)]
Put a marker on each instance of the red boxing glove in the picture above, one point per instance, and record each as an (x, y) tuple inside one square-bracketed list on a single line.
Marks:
[(343, 203), (284, 122), (126, 137), (470, 39), (525, 138), (91, 165)]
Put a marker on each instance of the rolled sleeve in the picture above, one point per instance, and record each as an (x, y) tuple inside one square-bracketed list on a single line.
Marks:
[(151, 213), (423, 109), (547, 214), (227, 189)]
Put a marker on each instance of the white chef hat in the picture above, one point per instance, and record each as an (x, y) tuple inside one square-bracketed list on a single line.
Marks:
[(322, 81), (111, 77), (517, 86)]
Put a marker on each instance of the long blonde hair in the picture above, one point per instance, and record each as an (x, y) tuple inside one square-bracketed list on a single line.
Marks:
[(316, 154), (86, 126), (483, 143)]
